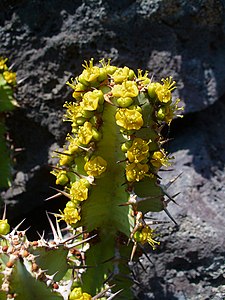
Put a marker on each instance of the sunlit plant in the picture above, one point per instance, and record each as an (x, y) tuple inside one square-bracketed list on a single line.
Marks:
[(7, 103), (109, 165)]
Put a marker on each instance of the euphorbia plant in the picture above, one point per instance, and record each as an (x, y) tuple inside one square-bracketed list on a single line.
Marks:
[(7, 103), (109, 165), (108, 168)]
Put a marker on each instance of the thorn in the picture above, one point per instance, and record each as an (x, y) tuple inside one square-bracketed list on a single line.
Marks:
[(22, 80), (12, 66), (145, 253), (16, 228), (170, 198), (166, 141), (58, 168), (156, 222), (120, 161), (140, 263), (81, 266), (19, 149), (166, 170), (107, 260), (41, 236), (55, 235), (4, 213), (169, 215), (106, 97), (175, 195), (53, 197), (134, 199), (108, 278), (115, 294), (63, 153), (124, 204), (166, 186), (102, 293), (62, 192), (85, 149), (133, 251), (58, 230), (81, 242), (25, 230)]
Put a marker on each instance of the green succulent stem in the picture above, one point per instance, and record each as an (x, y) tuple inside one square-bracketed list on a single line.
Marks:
[(102, 209), (114, 153)]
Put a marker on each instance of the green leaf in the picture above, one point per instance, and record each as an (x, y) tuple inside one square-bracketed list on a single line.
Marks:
[(6, 98), (53, 260), (5, 172), (28, 287)]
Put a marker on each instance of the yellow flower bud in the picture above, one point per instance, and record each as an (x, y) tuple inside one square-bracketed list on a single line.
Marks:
[(61, 178), (77, 294), (4, 227), (124, 101)]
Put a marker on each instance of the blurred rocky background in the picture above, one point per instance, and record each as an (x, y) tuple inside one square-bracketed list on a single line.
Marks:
[(47, 42)]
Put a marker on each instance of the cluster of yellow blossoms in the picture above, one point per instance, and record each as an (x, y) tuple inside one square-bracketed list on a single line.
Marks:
[(146, 235), (77, 294), (80, 163), (7, 75)]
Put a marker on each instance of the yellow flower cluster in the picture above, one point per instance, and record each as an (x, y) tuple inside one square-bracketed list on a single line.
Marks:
[(79, 190), (137, 154), (146, 235), (78, 294), (161, 94), (136, 171), (92, 99), (70, 214), (126, 89), (8, 76), (3, 65), (122, 74), (138, 108), (159, 159), (139, 150), (95, 166), (129, 119)]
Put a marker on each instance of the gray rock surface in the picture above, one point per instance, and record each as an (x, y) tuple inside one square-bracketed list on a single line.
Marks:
[(47, 42), (189, 264)]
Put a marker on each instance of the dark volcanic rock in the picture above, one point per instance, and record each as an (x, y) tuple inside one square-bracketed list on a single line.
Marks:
[(189, 264), (47, 42)]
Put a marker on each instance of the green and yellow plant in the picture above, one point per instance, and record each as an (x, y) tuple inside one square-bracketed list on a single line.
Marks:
[(7, 103), (108, 170), (109, 166)]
